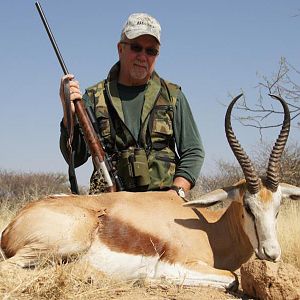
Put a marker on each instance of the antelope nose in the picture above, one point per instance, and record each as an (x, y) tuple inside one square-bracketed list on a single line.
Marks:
[(272, 253)]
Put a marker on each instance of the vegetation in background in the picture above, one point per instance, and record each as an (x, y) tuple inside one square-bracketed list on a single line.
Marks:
[(23, 187), (18, 188), (229, 173)]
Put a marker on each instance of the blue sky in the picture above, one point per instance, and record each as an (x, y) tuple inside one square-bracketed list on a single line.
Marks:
[(213, 49)]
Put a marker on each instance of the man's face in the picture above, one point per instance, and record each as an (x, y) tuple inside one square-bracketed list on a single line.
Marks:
[(137, 58)]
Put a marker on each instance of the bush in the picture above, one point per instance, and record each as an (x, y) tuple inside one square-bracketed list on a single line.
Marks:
[(290, 162), (229, 173), (18, 188)]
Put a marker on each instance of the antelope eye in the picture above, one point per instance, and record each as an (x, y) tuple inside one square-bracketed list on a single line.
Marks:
[(277, 214)]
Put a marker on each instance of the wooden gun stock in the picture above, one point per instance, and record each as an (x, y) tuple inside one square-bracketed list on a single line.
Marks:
[(96, 149)]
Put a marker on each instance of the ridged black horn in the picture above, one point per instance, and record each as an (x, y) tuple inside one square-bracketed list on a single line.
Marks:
[(272, 180), (244, 161)]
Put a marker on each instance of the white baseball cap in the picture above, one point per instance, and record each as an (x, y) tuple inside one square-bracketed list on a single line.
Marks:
[(139, 24)]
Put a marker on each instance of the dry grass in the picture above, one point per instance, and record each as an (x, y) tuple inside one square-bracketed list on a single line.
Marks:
[(57, 282), (289, 232), (77, 281)]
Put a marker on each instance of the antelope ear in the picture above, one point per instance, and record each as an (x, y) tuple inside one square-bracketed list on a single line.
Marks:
[(213, 197), (290, 191)]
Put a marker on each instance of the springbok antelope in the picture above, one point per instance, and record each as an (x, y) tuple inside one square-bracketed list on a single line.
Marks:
[(151, 234)]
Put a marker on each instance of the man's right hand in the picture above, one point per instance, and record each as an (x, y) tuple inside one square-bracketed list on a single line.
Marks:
[(74, 91)]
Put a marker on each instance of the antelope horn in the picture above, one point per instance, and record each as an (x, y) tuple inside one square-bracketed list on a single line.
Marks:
[(244, 161), (272, 180)]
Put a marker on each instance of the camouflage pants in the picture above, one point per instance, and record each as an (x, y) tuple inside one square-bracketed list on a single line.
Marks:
[(97, 183)]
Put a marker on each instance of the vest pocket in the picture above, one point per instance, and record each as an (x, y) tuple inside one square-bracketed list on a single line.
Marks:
[(162, 120), (161, 168)]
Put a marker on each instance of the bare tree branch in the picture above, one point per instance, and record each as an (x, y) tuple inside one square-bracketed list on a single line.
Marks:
[(282, 83)]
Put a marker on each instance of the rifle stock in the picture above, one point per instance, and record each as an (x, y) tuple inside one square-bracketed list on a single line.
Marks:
[(90, 135), (95, 147)]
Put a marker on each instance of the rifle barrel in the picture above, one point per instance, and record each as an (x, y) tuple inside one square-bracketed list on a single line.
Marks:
[(51, 37), (90, 135)]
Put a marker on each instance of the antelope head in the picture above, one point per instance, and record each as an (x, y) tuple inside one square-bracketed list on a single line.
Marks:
[(260, 197)]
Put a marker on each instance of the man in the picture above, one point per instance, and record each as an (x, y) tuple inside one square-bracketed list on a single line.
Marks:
[(145, 122)]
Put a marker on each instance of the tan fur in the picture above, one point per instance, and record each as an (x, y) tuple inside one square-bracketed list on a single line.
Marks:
[(135, 223), (265, 195)]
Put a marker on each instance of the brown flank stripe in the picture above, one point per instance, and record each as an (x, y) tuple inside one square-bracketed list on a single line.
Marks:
[(123, 237)]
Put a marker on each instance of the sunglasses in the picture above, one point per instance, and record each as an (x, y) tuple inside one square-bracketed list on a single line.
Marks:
[(137, 48)]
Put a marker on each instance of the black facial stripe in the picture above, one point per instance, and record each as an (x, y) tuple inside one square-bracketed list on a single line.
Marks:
[(258, 241), (249, 212)]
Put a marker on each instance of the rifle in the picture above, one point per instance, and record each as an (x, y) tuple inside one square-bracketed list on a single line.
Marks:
[(88, 124)]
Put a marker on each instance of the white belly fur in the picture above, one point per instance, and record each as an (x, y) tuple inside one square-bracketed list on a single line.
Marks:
[(127, 266)]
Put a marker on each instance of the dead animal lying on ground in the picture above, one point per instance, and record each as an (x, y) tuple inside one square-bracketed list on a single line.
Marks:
[(151, 234)]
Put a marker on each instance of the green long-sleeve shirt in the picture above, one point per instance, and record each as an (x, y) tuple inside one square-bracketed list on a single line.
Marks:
[(188, 142)]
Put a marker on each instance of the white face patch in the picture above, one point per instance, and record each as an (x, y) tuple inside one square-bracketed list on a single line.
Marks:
[(128, 266), (260, 223)]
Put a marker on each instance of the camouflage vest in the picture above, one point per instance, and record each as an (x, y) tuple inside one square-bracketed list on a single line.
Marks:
[(156, 132)]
